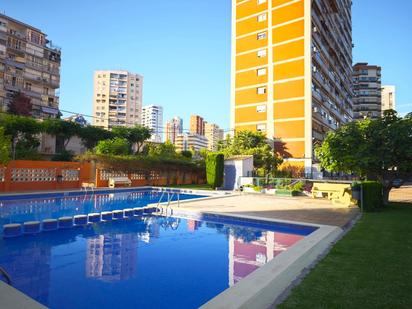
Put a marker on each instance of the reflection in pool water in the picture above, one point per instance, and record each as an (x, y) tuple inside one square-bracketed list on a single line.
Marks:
[(151, 262)]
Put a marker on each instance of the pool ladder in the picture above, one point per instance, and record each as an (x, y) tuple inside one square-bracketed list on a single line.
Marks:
[(169, 200)]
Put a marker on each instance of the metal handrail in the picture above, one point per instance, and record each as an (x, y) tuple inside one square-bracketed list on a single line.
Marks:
[(169, 200), (160, 200), (6, 276)]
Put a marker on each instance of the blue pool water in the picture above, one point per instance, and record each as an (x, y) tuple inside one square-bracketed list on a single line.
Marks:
[(144, 262), (55, 205)]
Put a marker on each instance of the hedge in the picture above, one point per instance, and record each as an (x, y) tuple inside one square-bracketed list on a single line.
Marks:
[(214, 169), (372, 195)]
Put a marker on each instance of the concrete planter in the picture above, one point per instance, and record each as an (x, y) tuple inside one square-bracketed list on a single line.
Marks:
[(356, 193), (284, 192), (249, 190)]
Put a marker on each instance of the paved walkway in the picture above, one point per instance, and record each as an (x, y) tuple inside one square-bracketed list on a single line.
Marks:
[(403, 194), (265, 206)]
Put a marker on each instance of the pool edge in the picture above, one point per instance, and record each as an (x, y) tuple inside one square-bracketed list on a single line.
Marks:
[(12, 298), (264, 286)]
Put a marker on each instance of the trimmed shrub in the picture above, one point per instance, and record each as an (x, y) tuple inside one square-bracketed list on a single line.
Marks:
[(187, 154), (372, 196), (64, 156), (214, 169)]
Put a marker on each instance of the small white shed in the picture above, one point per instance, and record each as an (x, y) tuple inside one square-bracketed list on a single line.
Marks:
[(235, 168)]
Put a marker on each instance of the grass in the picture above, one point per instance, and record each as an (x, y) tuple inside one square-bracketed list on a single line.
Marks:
[(371, 267), (194, 187)]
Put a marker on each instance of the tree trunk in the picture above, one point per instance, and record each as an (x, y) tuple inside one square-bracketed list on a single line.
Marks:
[(13, 148), (386, 191)]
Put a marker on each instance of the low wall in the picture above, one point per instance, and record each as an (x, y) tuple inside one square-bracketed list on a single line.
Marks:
[(153, 178), (25, 175), (22, 175)]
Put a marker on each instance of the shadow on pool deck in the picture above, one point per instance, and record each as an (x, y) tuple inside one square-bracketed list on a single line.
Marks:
[(303, 209)]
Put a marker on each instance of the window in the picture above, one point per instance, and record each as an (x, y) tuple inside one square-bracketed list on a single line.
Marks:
[(261, 17), (261, 127), (261, 108), (261, 36), (261, 72), (261, 90), (261, 53)]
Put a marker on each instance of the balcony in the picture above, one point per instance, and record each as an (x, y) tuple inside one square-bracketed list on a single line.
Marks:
[(52, 47), (33, 77), (31, 93), (17, 62), (36, 66)]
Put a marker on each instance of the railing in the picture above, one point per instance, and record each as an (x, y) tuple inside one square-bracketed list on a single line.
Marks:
[(170, 195)]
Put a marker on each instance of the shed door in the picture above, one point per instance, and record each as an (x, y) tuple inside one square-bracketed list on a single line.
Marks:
[(230, 177)]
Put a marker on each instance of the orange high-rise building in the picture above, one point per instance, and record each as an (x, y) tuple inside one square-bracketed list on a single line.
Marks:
[(291, 71), (197, 125)]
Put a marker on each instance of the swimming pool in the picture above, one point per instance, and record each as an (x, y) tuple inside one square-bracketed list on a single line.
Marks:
[(37, 207), (145, 262)]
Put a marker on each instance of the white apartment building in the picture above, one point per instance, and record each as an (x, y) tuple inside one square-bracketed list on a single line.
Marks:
[(117, 99), (213, 134), (152, 118), (187, 141), (388, 97)]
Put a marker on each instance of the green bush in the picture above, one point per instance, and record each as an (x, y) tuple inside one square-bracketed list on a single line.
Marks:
[(64, 156), (214, 169), (5, 147), (298, 186), (372, 195), (115, 146), (187, 154)]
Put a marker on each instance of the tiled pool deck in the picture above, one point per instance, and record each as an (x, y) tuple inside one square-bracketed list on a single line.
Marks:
[(302, 209)]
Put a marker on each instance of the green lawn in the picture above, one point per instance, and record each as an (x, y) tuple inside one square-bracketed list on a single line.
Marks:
[(371, 267), (194, 187)]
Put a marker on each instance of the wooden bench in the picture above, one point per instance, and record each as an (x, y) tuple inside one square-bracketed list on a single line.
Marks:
[(88, 185), (125, 181), (338, 193)]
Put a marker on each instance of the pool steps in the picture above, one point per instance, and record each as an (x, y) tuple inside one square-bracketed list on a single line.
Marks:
[(35, 227)]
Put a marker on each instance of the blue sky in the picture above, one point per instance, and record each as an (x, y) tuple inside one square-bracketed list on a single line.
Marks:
[(182, 47)]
